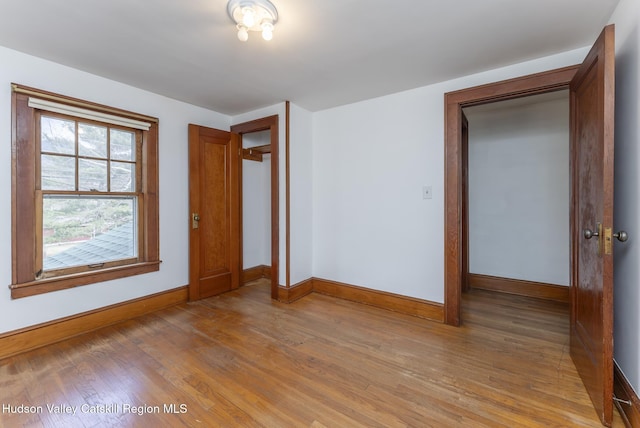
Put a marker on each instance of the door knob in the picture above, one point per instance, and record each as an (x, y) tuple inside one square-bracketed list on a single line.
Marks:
[(621, 236), (588, 233), (195, 220)]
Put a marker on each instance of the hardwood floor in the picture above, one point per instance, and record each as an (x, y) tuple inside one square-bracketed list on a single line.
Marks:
[(242, 359)]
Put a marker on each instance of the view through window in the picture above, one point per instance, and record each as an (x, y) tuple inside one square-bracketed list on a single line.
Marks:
[(89, 200)]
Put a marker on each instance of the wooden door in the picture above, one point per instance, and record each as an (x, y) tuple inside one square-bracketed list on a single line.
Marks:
[(214, 204), (592, 106)]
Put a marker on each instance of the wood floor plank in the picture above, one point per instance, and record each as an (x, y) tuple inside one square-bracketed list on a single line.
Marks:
[(242, 359)]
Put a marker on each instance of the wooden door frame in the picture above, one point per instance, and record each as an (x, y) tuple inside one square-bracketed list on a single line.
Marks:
[(464, 285), (269, 123), (454, 238)]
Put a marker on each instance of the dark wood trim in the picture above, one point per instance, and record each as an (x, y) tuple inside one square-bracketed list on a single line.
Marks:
[(256, 272), (18, 341), (234, 211), (538, 83), (194, 207), (296, 291), (520, 287), (241, 207), (288, 194), (151, 190), (269, 123), (74, 280), (623, 390), (465, 203), (380, 299), (76, 102), (23, 184)]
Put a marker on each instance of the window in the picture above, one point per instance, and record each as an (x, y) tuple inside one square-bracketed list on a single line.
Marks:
[(84, 193)]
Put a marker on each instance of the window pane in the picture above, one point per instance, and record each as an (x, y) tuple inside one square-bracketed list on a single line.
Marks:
[(123, 177), (92, 140), (57, 135), (57, 172), (79, 231), (92, 175), (122, 145)]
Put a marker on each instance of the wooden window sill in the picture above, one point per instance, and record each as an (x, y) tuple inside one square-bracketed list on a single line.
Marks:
[(47, 285)]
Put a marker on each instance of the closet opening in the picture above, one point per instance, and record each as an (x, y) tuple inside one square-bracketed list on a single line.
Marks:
[(454, 242), (259, 209), (256, 206), (516, 196)]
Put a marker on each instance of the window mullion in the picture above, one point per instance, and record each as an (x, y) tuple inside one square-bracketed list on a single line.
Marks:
[(77, 177)]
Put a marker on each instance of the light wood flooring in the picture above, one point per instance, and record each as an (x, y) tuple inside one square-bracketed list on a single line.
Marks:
[(241, 359)]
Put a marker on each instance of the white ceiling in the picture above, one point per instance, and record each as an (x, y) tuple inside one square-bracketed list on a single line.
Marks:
[(324, 53)]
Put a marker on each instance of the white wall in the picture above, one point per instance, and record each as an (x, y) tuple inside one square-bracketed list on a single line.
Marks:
[(278, 109), (174, 117), (301, 194), (371, 226), (256, 204), (519, 189), (627, 191)]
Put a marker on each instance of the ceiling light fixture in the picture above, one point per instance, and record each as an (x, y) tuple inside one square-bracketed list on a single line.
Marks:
[(253, 15)]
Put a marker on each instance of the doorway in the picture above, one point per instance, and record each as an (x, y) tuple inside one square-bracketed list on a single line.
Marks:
[(539, 83), (516, 190), (259, 143), (255, 184)]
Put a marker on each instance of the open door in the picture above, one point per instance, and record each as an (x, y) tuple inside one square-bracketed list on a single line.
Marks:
[(592, 115), (592, 123), (214, 204)]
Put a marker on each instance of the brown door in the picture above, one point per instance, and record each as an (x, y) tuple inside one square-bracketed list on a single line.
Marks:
[(592, 105), (214, 239)]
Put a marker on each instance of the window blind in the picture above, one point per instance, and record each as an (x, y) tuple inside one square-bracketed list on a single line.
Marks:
[(84, 113)]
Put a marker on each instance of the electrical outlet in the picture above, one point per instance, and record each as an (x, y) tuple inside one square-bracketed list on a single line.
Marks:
[(426, 192)]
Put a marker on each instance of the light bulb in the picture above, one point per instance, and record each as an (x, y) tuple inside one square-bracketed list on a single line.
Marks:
[(243, 34), (248, 17), (267, 31)]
